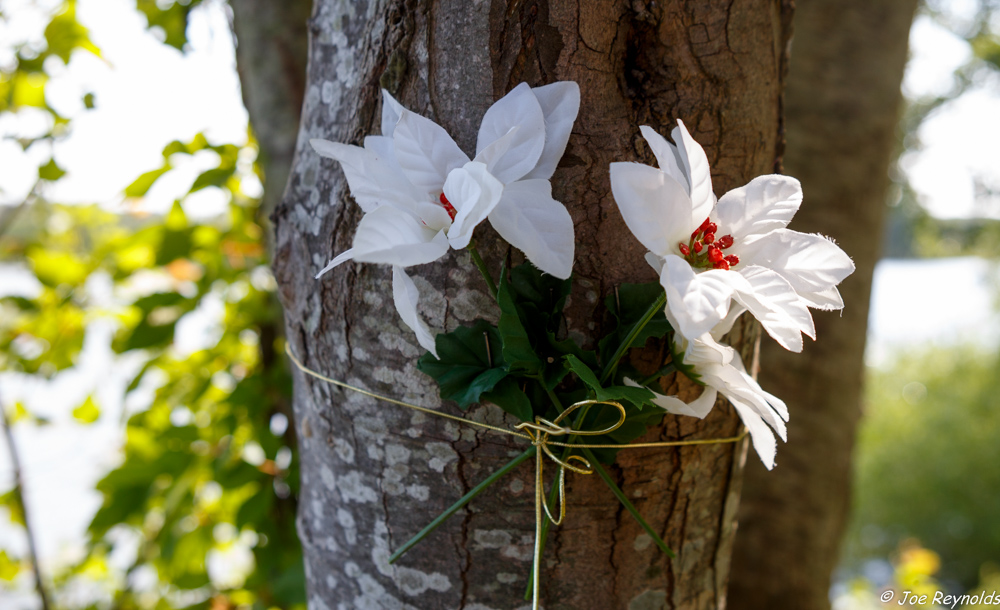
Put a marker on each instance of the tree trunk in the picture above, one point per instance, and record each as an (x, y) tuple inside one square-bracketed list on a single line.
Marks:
[(271, 56), (373, 474), (842, 105)]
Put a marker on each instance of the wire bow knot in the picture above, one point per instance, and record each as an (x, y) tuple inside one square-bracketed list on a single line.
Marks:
[(539, 432)]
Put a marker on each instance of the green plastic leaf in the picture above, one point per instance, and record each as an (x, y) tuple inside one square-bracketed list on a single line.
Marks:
[(546, 293), (636, 396), (511, 398), (466, 367), (634, 301), (539, 300), (88, 412), (518, 351)]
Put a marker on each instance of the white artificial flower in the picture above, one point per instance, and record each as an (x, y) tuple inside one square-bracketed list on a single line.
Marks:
[(720, 368), (711, 252), (422, 195)]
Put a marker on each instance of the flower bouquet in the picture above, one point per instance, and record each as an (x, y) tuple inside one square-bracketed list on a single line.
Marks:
[(579, 405)]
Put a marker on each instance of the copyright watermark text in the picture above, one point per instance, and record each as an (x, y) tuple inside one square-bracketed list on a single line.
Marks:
[(940, 598)]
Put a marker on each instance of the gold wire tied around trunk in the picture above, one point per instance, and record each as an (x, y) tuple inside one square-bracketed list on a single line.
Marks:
[(539, 433)]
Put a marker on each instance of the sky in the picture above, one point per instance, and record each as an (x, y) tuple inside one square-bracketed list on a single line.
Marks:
[(148, 94)]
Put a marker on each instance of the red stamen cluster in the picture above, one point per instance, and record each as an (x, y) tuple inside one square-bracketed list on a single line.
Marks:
[(448, 207), (704, 251)]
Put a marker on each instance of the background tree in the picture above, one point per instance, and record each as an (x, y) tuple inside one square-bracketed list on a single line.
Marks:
[(209, 470), (842, 105), (372, 476)]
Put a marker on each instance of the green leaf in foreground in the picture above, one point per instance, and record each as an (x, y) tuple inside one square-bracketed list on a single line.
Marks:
[(640, 412), (628, 307), (470, 362), (517, 349), (511, 398), (636, 396)]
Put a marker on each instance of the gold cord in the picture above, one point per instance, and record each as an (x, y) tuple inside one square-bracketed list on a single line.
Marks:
[(539, 433)]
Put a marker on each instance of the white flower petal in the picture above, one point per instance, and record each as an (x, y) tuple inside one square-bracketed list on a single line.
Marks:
[(391, 111), (811, 263), (656, 262), (775, 304), (536, 224), (772, 401), (389, 235), (760, 434), (474, 192), (697, 301), (560, 103), (722, 328), (765, 204), (705, 351), (493, 153), (695, 164), (667, 157), (426, 152), (396, 190), (825, 299), (344, 256), (737, 386), (373, 178), (655, 207), (383, 147), (406, 296), (699, 407), (721, 369), (520, 109)]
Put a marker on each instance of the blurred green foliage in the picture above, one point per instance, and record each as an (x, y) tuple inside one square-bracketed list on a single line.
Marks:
[(911, 231), (926, 463), (209, 469), (169, 17)]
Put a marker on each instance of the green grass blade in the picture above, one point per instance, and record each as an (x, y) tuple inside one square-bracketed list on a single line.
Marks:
[(626, 503), (475, 491), (611, 365)]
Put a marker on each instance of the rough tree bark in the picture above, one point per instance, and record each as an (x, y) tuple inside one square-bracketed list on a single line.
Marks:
[(842, 103), (373, 474)]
